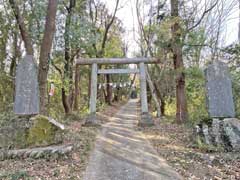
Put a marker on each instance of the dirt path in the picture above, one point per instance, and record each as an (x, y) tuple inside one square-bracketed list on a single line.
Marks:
[(123, 153)]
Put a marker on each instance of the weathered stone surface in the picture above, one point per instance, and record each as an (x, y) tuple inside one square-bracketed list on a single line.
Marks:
[(25, 132), (146, 120), (231, 128), (44, 132), (92, 120), (54, 122), (206, 134), (36, 153), (216, 132), (13, 134), (27, 91), (219, 90), (223, 134)]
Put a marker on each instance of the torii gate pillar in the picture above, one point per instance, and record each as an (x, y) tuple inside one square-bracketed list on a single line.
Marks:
[(146, 119), (92, 119)]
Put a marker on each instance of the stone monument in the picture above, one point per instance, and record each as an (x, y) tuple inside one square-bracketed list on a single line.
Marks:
[(27, 90), (219, 91), (222, 130)]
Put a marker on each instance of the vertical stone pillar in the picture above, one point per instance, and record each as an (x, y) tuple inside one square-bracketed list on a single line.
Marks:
[(146, 119), (143, 86), (92, 120), (93, 94)]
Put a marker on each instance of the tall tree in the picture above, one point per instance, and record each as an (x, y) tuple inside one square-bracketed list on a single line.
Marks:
[(239, 21), (108, 21), (68, 63), (176, 46), (46, 46)]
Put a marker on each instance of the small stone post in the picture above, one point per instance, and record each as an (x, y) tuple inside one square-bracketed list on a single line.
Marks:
[(91, 120), (146, 119)]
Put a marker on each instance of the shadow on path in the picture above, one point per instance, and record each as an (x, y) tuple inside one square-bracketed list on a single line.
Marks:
[(123, 153)]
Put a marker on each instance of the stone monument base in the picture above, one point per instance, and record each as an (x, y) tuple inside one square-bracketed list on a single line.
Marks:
[(222, 134), (24, 132), (92, 120), (146, 120)]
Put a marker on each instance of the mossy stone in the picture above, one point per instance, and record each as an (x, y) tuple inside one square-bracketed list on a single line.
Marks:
[(24, 132), (42, 132), (14, 133)]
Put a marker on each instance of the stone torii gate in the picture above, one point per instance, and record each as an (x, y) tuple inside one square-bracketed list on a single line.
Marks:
[(146, 119)]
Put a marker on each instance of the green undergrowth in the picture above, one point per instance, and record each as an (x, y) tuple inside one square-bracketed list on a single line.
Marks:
[(17, 175), (198, 143)]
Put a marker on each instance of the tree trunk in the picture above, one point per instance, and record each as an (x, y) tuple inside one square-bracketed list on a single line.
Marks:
[(239, 21), (153, 92), (3, 50), (65, 102), (71, 97), (76, 89), (160, 98), (16, 54), (163, 105), (109, 90), (68, 63), (89, 82), (22, 27), (116, 95), (45, 52), (68, 60), (181, 114)]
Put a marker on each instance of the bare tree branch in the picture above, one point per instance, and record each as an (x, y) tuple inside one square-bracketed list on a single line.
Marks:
[(203, 15)]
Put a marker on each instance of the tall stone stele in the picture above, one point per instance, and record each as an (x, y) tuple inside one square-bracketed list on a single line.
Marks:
[(27, 90), (219, 91)]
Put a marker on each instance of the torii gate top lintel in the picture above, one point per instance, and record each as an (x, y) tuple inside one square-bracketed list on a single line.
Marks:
[(89, 61)]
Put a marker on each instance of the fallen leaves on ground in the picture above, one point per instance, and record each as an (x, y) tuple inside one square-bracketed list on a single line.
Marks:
[(67, 167), (174, 143)]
